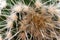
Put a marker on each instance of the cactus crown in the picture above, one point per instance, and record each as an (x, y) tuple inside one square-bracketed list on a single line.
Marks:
[(34, 20)]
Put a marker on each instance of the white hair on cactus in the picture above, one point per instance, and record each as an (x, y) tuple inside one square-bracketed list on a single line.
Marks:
[(55, 9), (38, 3), (58, 0), (25, 8), (52, 9), (10, 20), (3, 4), (13, 16), (58, 4), (8, 35), (9, 24), (1, 37), (17, 7)]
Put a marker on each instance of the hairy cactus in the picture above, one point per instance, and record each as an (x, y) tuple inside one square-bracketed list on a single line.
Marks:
[(34, 20)]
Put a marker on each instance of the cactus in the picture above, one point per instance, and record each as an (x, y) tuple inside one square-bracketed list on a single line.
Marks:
[(30, 20)]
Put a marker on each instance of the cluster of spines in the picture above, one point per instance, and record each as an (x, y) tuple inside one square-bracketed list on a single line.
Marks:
[(33, 21)]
